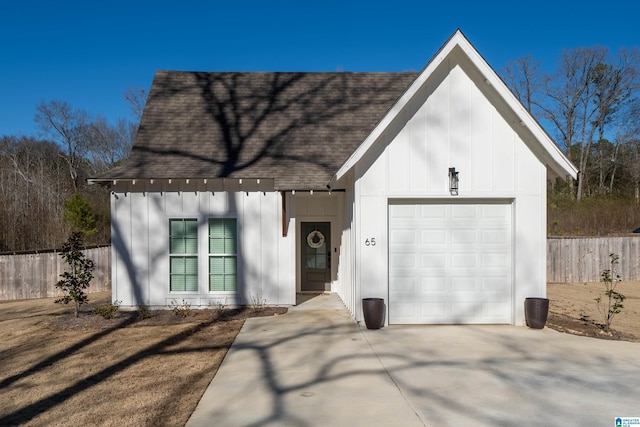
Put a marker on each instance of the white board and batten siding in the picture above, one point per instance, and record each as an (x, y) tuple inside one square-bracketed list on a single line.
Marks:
[(140, 233), (453, 124)]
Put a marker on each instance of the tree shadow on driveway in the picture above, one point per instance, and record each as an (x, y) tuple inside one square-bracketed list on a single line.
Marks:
[(324, 370)]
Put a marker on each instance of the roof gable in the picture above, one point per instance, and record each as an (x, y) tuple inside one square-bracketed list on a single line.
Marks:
[(459, 47)]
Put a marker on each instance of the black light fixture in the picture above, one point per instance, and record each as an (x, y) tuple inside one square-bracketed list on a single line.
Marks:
[(453, 181)]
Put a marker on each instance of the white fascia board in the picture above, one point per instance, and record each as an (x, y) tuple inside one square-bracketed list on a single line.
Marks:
[(397, 107), (563, 166), (559, 163)]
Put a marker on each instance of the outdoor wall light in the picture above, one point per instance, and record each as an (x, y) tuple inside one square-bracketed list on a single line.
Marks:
[(453, 181)]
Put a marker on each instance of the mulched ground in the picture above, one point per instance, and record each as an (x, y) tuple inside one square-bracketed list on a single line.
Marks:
[(88, 320), (585, 327)]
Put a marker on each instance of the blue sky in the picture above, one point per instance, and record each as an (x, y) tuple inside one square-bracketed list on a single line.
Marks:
[(88, 52)]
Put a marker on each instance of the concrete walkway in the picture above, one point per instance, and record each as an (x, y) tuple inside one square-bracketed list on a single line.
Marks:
[(315, 367)]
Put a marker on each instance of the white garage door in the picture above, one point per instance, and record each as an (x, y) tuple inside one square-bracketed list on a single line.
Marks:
[(450, 263)]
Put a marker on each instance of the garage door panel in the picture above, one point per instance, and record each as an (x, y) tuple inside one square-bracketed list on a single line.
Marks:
[(403, 260), (494, 284), (463, 211), (464, 268), (433, 260), (431, 211), (493, 260), (431, 237), (494, 236), (493, 211), (464, 237), (464, 260), (403, 237), (464, 284), (406, 310), (432, 285)]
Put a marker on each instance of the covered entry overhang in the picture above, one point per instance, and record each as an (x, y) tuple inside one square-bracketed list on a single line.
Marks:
[(318, 219)]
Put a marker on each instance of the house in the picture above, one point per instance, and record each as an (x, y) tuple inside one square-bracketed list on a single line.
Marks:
[(426, 189)]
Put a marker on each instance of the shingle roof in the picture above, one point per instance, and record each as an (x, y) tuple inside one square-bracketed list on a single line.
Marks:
[(297, 128)]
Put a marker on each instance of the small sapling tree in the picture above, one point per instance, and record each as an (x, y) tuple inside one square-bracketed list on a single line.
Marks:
[(612, 304), (76, 280)]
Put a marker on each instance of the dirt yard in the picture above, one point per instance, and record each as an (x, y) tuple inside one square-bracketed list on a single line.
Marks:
[(572, 309), (59, 370)]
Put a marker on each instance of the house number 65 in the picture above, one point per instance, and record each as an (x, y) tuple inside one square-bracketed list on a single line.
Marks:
[(370, 242)]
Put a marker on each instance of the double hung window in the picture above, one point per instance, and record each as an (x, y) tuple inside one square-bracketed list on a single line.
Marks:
[(223, 254), (183, 254)]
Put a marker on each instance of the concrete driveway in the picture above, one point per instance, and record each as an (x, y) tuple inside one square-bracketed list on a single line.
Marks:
[(315, 367)]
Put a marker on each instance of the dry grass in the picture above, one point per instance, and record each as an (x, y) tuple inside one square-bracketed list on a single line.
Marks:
[(594, 216), (58, 370)]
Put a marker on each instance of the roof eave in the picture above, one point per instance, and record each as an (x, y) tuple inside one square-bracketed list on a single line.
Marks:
[(557, 161)]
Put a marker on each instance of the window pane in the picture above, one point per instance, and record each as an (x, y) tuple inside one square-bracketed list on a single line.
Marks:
[(230, 245), (176, 227), (183, 236), (229, 227), (222, 236), (216, 246), (229, 265), (216, 265), (191, 265), (222, 273), (191, 228), (177, 282), (230, 282), (191, 246), (177, 246), (183, 274), (310, 261), (216, 283), (177, 265), (215, 228), (191, 282)]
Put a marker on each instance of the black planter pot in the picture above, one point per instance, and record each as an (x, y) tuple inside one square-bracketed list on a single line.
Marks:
[(536, 311), (373, 310)]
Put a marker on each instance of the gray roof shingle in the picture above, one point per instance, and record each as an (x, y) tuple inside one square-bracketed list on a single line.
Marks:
[(296, 128)]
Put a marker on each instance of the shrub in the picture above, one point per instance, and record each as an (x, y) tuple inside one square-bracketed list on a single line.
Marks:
[(144, 312), (612, 304), (258, 302), (107, 310), (182, 309)]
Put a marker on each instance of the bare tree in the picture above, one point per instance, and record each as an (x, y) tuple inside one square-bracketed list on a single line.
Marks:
[(108, 144), (67, 127), (136, 98), (34, 183), (523, 77), (581, 100)]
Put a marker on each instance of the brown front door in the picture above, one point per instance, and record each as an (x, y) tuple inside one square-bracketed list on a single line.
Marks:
[(316, 256)]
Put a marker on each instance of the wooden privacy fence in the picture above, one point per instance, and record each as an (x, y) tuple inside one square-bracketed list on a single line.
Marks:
[(582, 259), (569, 259), (34, 275)]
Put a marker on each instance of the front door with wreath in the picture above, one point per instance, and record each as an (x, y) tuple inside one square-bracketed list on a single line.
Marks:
[(316, 257)]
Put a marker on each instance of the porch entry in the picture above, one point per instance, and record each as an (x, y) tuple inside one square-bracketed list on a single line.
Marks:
[(316, 256)]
